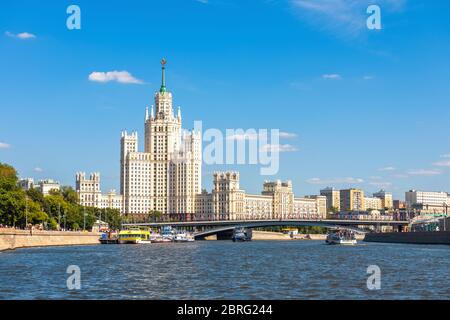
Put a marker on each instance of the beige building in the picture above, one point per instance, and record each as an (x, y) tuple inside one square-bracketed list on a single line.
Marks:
[(352, 200), (90, 195), (373, 204), (387, 201), (333, 198), (277, 201), (166, 177)]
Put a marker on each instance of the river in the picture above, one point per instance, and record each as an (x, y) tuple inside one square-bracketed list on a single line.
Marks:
[(226, 270)]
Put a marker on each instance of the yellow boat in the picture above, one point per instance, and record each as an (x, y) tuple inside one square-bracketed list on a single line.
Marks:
[(134, 236)]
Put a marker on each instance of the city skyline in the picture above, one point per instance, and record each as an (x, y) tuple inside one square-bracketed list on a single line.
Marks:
[(343, 102)]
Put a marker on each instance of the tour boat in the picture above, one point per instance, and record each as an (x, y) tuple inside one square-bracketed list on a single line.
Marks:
[(341, 237), (133, 236)]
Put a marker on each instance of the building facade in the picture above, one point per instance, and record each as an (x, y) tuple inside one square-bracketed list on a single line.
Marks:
[(166, 177), (90, 195), (228, 201), (427, 202), (352, 200), (387, 200), (373, 204), (333, 198)]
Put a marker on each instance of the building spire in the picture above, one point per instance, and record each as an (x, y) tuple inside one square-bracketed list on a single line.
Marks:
[(163, 79)]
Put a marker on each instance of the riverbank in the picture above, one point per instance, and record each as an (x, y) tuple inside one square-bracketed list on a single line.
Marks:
[(11, 239)]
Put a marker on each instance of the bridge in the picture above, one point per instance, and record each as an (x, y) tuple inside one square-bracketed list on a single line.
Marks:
[(210, 228)]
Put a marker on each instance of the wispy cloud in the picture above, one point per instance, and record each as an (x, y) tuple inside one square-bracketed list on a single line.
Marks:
[(279, 148), (22, 35), (445, 156), (117, 76), (38, 169), (332, 76), (424, 172), (203, 1), (335, 181), (4, 145), (367, 78), (442, 164), (254, 136), (380, 184), (341, 17), (389, 168)]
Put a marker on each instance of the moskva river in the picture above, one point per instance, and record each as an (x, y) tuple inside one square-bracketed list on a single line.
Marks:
[(226, 270)]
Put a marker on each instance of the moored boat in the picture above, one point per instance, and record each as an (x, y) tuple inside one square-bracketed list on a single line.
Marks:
[(133, 236), (341, 237), (183, 237), (242, 235)]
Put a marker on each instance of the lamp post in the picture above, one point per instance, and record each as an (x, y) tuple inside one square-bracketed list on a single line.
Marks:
[(59, 216), (26, 211), (84, 219)]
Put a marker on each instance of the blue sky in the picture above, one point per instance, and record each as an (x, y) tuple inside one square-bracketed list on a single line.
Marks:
[(369, 109)]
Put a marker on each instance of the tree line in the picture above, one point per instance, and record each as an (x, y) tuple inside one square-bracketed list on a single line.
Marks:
[(58, 210)]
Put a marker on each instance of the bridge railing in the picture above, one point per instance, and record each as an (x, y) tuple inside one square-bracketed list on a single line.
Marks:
[(254, 217)]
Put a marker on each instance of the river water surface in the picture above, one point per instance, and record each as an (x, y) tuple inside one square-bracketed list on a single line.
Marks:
[(226, 270)]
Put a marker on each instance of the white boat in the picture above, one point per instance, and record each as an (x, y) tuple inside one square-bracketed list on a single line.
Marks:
[(341, 237), (183, 237)]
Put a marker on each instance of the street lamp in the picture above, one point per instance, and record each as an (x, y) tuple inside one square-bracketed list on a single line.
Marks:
[(84, 219), (26, 211)]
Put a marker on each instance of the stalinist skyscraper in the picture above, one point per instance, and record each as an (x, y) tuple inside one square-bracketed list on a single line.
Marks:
[(166, 177)]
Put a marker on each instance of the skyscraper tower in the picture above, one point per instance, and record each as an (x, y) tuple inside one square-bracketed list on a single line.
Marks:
[(166, 177)]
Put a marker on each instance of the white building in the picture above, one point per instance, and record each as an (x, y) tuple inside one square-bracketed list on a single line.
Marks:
[(426, 201), (45, 186), (166, 177), (26, 184), (90, 195)]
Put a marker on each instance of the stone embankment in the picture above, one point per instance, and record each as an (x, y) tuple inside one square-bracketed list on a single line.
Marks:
[(13, 239)]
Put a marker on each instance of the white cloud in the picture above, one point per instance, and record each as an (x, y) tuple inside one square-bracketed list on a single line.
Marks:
[(390, 168), (335, 181), (203, 1), (424, 172), (445, 156), (332, 76), (4, 145), (38, 169), (278, 148), (442, 164), (22, 35), (380, 184), (340, 17), (368, 78), (254, 136), (118, 76), (243, 136), (287, 135)]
